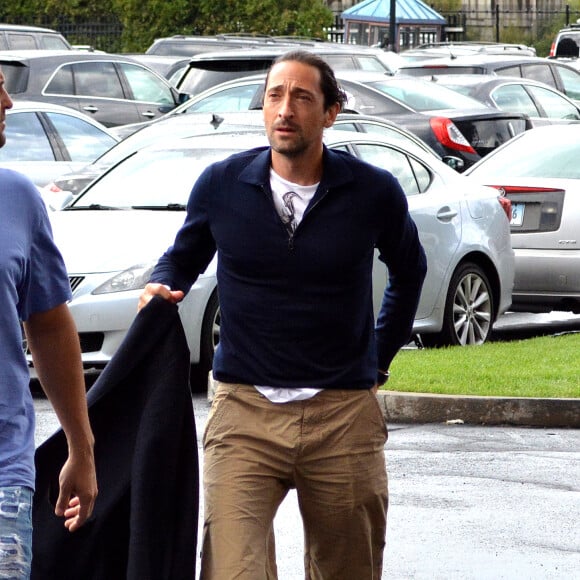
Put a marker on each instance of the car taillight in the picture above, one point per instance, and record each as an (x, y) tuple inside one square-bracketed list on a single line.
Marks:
[(449, 135), (515, 189), (553, 49), (505, 203)]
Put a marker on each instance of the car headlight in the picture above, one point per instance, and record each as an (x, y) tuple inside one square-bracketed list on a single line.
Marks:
[(133, 278)]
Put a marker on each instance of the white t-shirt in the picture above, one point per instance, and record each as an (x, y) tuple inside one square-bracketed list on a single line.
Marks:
[(291, 201)]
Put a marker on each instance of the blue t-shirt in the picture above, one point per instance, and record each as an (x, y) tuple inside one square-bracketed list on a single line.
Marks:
[(33, 279)]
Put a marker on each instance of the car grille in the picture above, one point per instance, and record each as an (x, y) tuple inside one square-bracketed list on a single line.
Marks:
[(75, 282)]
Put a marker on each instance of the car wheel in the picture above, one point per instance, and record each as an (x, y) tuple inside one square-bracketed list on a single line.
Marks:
[(469, 310), (210, 335)]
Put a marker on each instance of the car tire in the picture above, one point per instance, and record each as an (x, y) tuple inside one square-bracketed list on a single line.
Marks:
[(210, 331), (469, 310)]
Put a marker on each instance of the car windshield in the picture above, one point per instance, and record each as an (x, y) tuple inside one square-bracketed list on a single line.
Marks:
[(150, 179), (422, 97), (535, 154)]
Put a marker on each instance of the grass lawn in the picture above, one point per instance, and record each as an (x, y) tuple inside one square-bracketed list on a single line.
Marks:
[(545, 367)]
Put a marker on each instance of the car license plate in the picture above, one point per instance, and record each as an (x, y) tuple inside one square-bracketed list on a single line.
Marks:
[(517, 214)]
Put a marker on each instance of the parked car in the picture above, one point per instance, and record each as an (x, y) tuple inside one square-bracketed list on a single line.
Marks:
[(109, 254), (113, 89), (66, 187), (543, 104), (43, 140), (452, 49), (21, 37), (450, 123), (63, 189), (188, 45), (566, 42), (557, 74), (208, 69), (539, 173)]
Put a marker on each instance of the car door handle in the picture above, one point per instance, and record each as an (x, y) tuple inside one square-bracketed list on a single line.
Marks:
[(149, 114), (91, 109), (446, 214)]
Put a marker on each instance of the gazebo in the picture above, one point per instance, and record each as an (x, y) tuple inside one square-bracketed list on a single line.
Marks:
[(368, 23)]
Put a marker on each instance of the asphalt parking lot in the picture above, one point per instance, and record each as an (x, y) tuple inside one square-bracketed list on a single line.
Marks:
[(467, 502)]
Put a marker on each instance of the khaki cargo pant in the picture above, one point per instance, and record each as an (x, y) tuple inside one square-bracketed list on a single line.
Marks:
[(330, 448)]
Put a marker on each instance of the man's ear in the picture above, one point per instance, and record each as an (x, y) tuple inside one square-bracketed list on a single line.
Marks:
[(331, 114)]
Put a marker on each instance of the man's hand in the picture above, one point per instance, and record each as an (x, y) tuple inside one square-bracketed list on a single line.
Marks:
[(154, 289), (78, 490)]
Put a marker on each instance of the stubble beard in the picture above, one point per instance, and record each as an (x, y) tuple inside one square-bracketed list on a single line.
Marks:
[(292, 148)]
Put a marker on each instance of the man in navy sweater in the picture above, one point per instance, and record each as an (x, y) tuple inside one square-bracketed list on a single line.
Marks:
[(300, 357)]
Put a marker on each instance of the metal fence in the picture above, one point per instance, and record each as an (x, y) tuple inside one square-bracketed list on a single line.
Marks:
[(99, 33), (106, 33)]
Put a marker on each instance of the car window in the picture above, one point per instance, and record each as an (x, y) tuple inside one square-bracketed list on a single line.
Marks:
[(97, 79), (340, 61), (15, 76), (370, 63), (515, 99), (145, 86), (570, 81), (509, 71), (228, 100), (540, 72), (365, 126), (556, 106), (369, 101), (394, 161), (25, 139), (91, 79), (20, 41), (62, 82), (84, 141), (422, 175), (418, 98), (53, 42)]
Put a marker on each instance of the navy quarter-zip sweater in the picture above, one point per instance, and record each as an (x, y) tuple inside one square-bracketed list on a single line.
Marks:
[(296, 311)]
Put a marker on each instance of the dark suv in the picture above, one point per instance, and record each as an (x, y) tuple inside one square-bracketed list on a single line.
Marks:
[(17, 37), (208, 69), (113, 89)]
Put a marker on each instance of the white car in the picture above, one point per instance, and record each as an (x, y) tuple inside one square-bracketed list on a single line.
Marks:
[(44, 140), (112, 235), (539, 173)]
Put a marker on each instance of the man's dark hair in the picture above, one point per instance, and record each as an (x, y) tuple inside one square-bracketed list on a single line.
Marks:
[(328, 83)]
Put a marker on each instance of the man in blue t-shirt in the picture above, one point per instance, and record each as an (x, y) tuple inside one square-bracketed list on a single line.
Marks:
[(34, 291)]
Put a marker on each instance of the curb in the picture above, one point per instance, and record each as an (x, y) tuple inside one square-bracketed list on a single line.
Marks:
[(426, 408)]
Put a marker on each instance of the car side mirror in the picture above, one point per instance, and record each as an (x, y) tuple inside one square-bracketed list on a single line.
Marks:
[(453, 162)]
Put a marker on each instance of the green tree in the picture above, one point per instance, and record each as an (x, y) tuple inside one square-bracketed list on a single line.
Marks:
[(272, 17), (145, 20)]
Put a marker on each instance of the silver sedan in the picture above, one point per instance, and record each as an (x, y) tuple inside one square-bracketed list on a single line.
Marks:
[(113, 233), (539, 172)]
